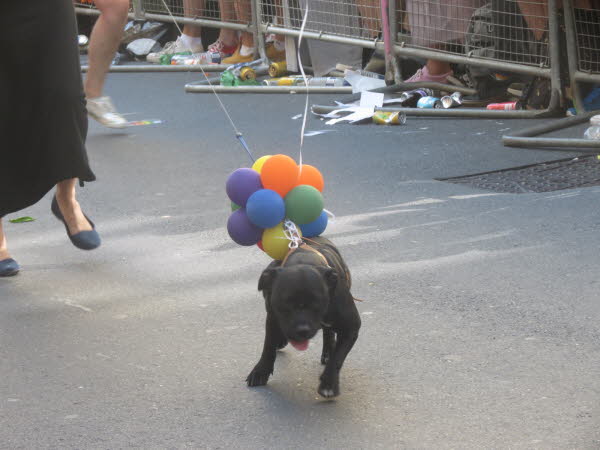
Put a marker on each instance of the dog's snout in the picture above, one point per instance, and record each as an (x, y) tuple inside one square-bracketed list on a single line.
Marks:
[(303, 331)]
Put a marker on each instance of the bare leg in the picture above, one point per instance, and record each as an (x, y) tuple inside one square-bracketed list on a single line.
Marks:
[(227, 36), (69, 207), (536, 16), (104, 42), (370, 16), (3, 246), (243, 11), (436, 67), (193, 8)]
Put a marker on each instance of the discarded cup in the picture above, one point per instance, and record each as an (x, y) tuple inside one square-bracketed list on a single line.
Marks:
[(452, 101), (507, 106), (429, 103), (389, 118)]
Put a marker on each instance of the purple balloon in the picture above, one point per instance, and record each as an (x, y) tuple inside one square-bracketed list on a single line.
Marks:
[(241, 230), (241, 184)]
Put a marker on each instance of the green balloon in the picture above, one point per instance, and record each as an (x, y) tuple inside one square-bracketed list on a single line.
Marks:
[(234, 207), (303, 204)]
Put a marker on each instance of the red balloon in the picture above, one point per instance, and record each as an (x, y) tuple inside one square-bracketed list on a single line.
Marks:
[(310, 175), (280, 174)]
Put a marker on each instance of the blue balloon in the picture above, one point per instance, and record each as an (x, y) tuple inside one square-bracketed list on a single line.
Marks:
[(315, 228), (265, 208)]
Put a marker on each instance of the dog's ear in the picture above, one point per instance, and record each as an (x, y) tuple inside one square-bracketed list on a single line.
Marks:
[(267, 277), (330, 276)]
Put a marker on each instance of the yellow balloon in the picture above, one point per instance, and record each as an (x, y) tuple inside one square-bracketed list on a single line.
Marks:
[(274, 242), (260, 162)]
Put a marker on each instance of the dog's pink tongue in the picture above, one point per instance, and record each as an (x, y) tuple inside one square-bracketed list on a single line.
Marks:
[(302, 345)]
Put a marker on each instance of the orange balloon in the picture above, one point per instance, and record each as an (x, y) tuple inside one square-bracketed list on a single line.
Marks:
[(310, 175), (280, 174)]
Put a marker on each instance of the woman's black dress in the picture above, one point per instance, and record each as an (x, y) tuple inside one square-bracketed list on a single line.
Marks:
[(43, 120)]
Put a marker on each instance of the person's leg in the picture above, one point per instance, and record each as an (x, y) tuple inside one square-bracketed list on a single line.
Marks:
[(190, 39), (245, 51), (535, 15), (435, 67), (4, 254), (8, 266), (70, 208), (228, 37), (104, 42), (193, 8), (370, 16)]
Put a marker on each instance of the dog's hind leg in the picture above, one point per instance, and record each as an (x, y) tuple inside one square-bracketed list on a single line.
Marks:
[(330, 379), (264, 368), (328, 344)]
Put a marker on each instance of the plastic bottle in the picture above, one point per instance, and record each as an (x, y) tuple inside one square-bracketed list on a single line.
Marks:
[(165, 60), (196, 58), (593, 132)]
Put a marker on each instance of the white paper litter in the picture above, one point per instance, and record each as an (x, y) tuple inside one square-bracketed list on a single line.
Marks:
[(317, 132), (356, 115), (371, 99), (360, 83)]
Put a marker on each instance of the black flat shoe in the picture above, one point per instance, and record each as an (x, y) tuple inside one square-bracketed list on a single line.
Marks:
[(84, 240), (9, 267)]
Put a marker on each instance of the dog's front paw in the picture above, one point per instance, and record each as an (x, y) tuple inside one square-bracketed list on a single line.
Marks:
[(259, 376), (329, 388)]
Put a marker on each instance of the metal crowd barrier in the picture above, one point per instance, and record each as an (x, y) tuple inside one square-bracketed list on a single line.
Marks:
[(526, 34), (582, 32)]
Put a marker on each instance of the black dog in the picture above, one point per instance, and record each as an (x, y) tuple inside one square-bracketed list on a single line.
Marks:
[(308, 291)]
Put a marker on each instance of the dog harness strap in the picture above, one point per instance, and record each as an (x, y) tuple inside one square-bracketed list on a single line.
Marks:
[(307, 247)]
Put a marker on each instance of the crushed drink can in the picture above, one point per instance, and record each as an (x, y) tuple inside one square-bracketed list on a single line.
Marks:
[(247, 73), (277, 69), (451, 101), (429, 102), (507, 106), (410, 98), (312, 81), (389, 118), (283, 81)]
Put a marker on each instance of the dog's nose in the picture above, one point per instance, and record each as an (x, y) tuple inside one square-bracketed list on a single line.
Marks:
[(303, 331)]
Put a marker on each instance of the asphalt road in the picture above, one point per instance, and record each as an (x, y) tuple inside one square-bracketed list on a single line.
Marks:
[(480, 313)]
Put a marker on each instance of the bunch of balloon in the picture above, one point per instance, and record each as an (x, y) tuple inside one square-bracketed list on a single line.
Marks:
[(264, 196)]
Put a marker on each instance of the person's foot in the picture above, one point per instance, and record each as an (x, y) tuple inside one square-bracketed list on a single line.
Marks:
[(8, 266), (73, 215), (242, 54), (80, 230), (173, 48), (102, 110), (224, 50), (423, 75), (275, 51)]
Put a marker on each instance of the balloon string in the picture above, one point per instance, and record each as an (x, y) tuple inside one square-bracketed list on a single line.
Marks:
[(238, 134), (290, 230), (305, 81)]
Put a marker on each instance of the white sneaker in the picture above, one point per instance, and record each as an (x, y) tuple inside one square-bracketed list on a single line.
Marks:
[(172, 48), (102, 109)]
